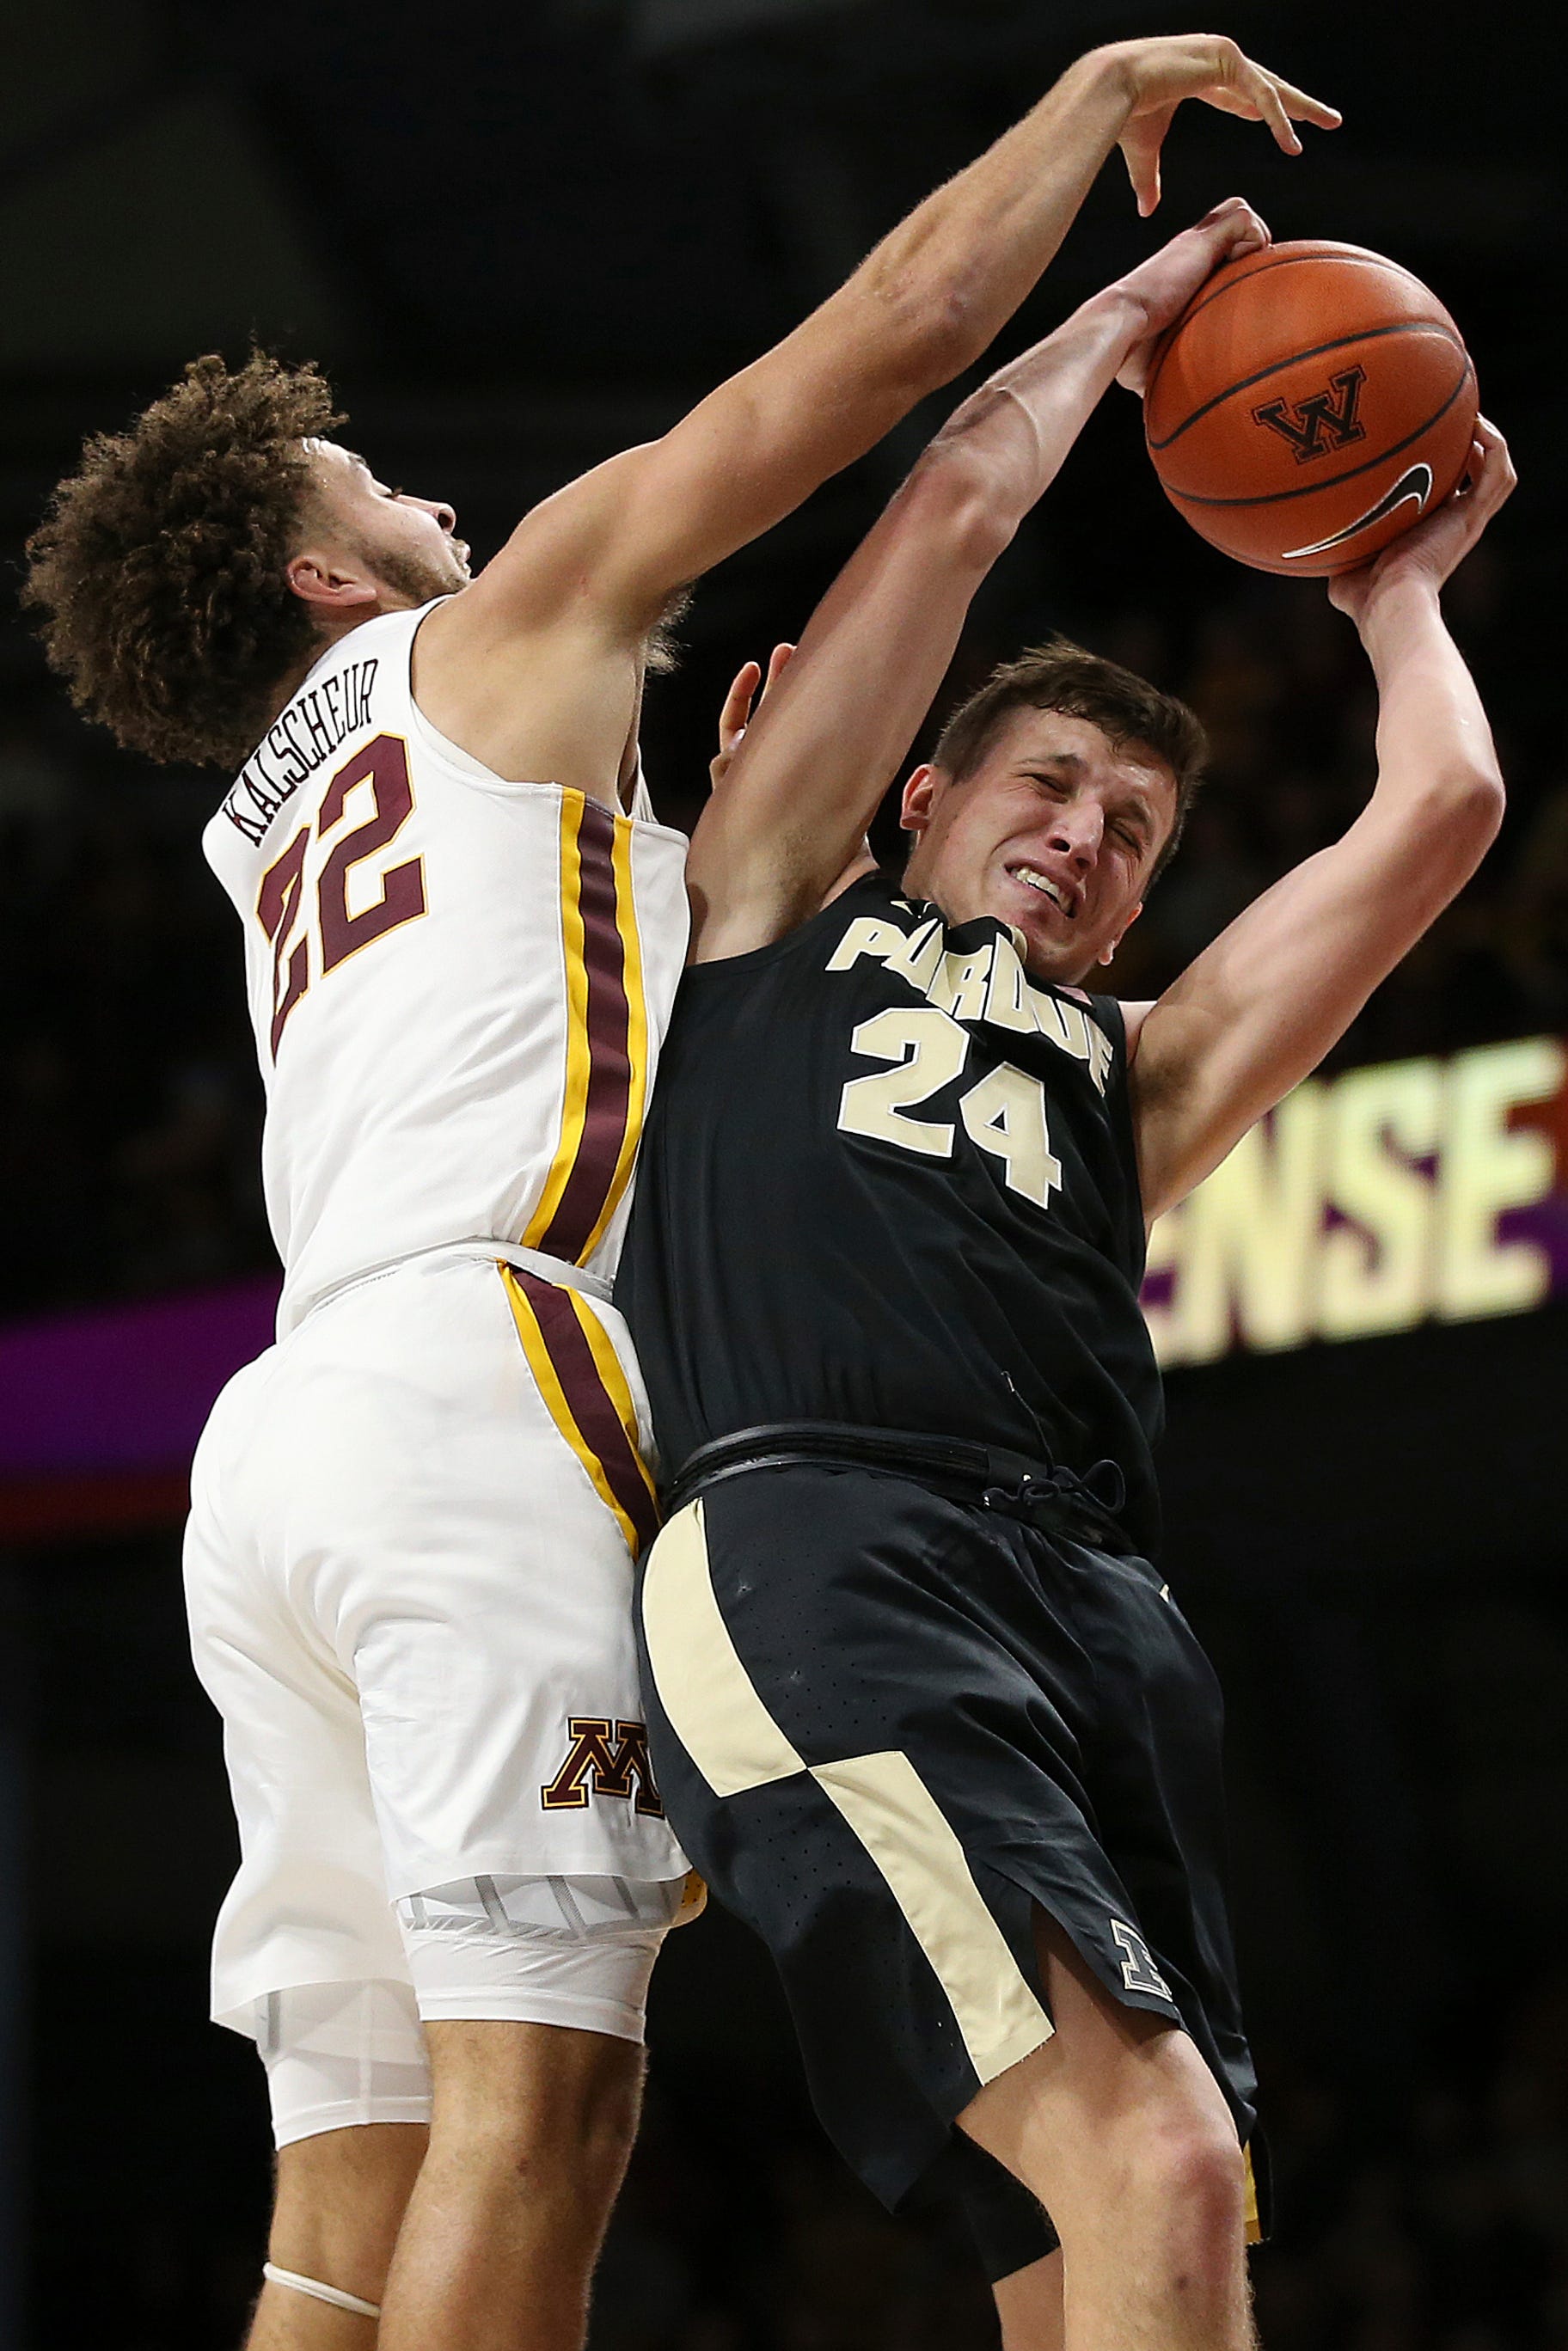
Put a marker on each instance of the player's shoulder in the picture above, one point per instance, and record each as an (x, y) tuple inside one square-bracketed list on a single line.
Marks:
[(867, 900)]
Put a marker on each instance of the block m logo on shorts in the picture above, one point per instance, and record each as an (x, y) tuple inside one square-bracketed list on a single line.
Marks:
[(1327, 421), (605, 1759)]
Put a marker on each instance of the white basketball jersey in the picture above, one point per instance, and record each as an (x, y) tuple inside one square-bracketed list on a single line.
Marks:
[(458, 984)]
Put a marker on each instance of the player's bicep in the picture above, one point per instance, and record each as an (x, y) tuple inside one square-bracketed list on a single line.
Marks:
[(1258, 1011), (792, 808), (552, 573), (616, 544)]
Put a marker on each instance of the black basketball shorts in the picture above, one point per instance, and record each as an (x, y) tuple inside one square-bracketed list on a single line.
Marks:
[(887, 1724)]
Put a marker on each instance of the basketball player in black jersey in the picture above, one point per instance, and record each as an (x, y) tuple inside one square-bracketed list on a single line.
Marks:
[(922, 1710)]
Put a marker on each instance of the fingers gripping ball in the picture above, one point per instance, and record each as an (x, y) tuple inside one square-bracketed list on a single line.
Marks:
[(1311, 404)]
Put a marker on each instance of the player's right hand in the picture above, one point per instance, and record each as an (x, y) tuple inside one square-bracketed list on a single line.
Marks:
[(1432, 549), (1163, 286), (1159, 74), (735, 716)]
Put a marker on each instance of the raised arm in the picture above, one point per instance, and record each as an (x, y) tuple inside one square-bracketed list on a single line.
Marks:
[(590, 570), (1259, 1008), (828, 737)]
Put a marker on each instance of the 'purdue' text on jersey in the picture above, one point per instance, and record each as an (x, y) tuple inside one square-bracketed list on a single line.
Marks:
[(889, 1180)]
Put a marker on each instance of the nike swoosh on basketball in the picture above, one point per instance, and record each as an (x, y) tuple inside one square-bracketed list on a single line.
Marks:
[(1415, 483)]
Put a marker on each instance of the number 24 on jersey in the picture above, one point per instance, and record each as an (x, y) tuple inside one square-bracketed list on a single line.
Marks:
[(1003, 1113)]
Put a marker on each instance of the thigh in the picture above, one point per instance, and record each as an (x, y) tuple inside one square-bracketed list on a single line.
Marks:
[(785, 1665), (308, 1902), (342, 2057), (448, 1536), (1110, 2078), (1161, 1806), (1029, 2306), (552, 2093)]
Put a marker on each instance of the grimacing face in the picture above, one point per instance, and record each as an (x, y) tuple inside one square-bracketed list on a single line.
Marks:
[(409, 543), (1057, 832)]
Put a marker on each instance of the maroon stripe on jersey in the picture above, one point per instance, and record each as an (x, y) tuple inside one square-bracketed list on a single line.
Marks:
[(608, 1054), (591, 1405)]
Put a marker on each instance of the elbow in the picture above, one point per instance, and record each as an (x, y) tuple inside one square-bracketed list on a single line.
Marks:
[(957, 333), (1464, 816), (964, 504), (1479, 799), (933, 325)]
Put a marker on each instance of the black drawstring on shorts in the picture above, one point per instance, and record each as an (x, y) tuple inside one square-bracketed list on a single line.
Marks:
[(990, 1477), (1100, 1484)]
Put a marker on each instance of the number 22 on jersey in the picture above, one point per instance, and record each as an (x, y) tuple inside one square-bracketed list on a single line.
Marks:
[(384, 765), (1003, 1113)]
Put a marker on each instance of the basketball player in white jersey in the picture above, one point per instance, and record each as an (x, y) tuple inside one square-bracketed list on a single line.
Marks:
[(414, 1521)]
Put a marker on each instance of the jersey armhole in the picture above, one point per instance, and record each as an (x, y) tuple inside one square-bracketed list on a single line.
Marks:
[(1108, 1011), (790, 942)]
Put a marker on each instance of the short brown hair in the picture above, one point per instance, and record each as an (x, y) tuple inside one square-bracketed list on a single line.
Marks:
[(1060, 675), (158, 574)]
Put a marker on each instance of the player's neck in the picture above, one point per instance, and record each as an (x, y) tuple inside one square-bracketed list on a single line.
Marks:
[(328, 635)]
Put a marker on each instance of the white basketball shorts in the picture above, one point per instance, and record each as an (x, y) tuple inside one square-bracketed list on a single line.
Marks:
[(409, 1575)]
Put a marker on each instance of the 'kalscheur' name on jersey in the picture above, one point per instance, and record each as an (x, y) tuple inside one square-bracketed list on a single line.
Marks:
[(458, 984), (888, 1179)]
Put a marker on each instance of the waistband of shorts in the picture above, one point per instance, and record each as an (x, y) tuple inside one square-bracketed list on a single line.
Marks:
[(987, 1476), (548, 1269)]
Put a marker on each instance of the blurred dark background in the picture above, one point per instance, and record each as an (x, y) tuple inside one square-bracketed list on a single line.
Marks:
[(521, 238)]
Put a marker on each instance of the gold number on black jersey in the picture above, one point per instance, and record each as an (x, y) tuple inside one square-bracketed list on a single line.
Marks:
[(1003, 1114), (930, 1051)]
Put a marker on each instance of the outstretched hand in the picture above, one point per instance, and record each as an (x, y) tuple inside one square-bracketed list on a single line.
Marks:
[(1162, 73), (1163, 286), (735, 716), (1433, 548)]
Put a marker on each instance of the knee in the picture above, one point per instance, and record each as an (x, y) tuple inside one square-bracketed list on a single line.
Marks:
[(1188, 2167), (541, 2102), (340, 2198)]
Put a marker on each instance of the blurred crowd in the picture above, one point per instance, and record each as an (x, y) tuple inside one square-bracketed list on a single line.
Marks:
[(129, 1103)]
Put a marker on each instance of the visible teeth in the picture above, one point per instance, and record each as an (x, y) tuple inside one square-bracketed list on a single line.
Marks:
[(1037, 882)]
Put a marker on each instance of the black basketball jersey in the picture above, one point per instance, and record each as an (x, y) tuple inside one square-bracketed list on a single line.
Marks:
[(887, 1179)]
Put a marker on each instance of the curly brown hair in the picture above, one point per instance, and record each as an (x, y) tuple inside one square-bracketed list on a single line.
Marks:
[(158, 574)]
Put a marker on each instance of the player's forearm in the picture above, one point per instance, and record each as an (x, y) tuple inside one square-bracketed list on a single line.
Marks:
[(1437, 769), (1014, 434), (1263, 1004), (943, 282)]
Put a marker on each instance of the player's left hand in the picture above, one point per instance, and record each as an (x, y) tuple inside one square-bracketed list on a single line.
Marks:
[(1160, 73), (1433, 548), (735, 716), (1163, 286)]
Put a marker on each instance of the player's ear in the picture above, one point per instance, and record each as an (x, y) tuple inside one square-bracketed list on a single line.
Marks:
[(1106, 954), (328, 585), (919, 797)]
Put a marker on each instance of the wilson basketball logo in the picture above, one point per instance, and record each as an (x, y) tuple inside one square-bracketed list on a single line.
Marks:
[(1321, 424), (607, 1759)]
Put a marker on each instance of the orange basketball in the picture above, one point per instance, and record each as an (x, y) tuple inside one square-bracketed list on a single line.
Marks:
[(1311, 402)]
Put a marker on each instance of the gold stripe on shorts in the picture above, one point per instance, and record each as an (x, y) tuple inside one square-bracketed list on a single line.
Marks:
[(721, 1720), (586, 1395)]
